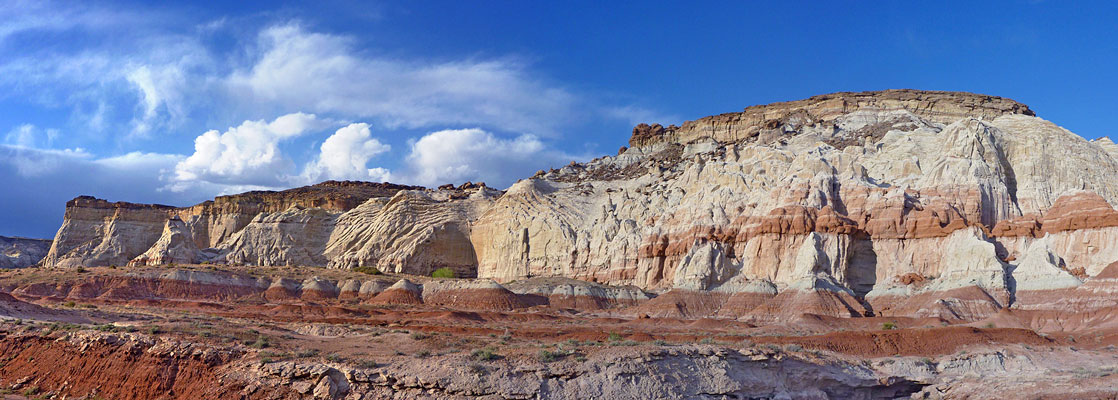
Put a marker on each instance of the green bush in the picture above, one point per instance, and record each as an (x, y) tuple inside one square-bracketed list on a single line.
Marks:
[(443, 272), (889, 326), (366, 269), (306, 353), (261, 342), (485, 354), (549, 356)]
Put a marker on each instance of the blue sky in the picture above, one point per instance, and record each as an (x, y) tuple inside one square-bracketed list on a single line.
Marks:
[(177, 103)]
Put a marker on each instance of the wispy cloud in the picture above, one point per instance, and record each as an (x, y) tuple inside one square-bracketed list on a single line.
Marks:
[(324, 73)]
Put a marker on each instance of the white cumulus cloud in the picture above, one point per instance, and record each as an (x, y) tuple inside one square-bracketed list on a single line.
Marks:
[(345, 155), (458, 155), (247, 154)]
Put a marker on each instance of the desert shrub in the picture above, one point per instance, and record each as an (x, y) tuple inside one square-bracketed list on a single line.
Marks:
[(486, 354), (660, 342), (990, 326), (614, 337), (63, 326), (69, 304), (706, 341), (549, 356), (306, 353), (794, 347), (370, 364), (31, 391), (80, 270), (333, 357), (367, 269), (888, 326), (443, 272), (418, 336), (154, 330), (423, 353), (261, 342)]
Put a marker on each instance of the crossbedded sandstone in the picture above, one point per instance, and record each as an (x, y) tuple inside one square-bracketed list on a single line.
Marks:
[(931, 203)]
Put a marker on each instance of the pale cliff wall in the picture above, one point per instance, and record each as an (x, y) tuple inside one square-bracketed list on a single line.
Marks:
[(872, 197), (18, 252), (882, 197)]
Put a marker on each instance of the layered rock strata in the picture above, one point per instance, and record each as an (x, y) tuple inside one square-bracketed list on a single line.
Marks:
[(398, 228), (937, 204), (17, 252), (846, 204)]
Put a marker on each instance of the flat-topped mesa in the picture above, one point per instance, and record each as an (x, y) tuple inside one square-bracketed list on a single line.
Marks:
[(936, 106), (93, 202), (329, 195), (99, 232)]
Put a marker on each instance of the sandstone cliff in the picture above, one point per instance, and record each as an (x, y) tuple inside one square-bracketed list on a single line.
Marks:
[(874, 197), (17, 252), (843, 204), (262, 228)]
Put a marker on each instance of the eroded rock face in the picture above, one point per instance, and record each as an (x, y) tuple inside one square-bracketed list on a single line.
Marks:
[(17, 252), (413, 232), (874, 197), (291, 227), (902, 201), (758, 122)]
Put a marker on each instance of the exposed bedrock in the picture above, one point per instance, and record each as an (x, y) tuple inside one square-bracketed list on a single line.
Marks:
[(930, 203), (18, 252)]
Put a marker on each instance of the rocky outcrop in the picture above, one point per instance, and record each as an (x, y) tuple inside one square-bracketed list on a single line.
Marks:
[(929, 203), (860, 201), (413, 232), (97, 232), (17, 252), (175, 246), (766, 121), (296, 236), (291, 227)]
